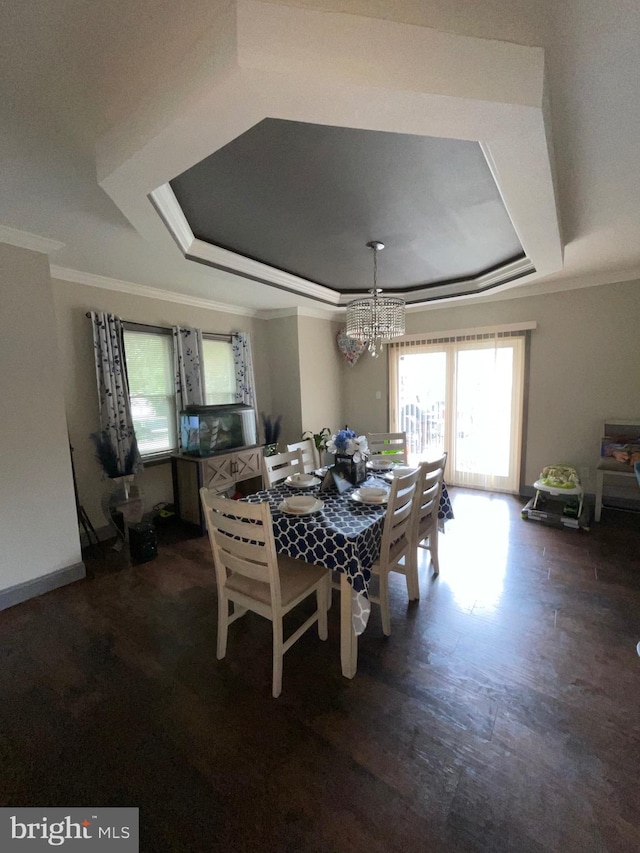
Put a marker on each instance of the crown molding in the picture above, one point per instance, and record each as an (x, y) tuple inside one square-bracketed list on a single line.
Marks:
[(300, 311), (27, 240), (106, 283)]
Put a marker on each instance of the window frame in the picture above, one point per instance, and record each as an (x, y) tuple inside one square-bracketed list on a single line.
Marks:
[(149, 459)]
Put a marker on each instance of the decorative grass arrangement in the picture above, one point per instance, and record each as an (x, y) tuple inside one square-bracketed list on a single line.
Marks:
[(271, 428), (107, 457)]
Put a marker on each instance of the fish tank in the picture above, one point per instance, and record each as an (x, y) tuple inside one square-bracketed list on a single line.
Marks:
[(206, 430)]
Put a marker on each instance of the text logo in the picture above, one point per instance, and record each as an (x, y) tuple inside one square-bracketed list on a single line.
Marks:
[(102, 829)]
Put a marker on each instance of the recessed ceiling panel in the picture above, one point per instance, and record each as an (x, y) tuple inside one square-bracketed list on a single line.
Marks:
[(306, 198)]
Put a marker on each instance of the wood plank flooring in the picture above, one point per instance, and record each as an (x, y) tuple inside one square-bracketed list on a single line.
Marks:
[(503, 714)]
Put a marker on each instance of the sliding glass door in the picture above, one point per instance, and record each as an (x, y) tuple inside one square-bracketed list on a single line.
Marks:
[(463, 395)]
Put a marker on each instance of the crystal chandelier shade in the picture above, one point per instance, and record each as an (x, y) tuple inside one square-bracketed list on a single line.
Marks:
[(375, 319)]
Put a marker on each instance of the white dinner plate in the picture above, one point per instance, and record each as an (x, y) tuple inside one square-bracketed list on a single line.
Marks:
[(295, 484), (379, 465), (356, 496), (283, 507)]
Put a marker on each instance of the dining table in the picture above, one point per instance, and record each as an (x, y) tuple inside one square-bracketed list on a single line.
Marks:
[(343, 534)]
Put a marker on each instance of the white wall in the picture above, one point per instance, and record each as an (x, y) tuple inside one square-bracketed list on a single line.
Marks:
[(583, 368), (72, 301), (38, 523), (282, 356), (320, 375)]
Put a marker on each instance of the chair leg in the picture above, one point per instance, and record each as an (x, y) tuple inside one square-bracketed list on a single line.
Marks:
[(223, 626), (330, 591), (433, 549), (384, 603), (277, 656), (599, 491), (411, 571), (321, 603)]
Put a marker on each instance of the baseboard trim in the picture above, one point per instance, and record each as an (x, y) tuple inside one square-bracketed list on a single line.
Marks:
[(38, 586)]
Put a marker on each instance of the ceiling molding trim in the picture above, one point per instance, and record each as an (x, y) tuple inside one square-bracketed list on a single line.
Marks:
[(531, 207), (300, 311), (238, 264), (27, 240), (105, 283), (166, 204), (167, 207), (466, 287)]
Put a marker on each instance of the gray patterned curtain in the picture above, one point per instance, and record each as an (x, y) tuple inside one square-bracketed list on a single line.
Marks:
[(113, 389), (243, 362), (187, 360)]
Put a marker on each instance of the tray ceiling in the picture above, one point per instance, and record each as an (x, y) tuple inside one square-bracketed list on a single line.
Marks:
[(305, 198)]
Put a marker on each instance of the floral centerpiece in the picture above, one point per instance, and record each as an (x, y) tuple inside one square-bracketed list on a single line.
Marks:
[(351, 451), (348, 443)]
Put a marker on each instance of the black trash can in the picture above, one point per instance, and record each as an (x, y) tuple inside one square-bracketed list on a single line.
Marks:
[(143, 543)]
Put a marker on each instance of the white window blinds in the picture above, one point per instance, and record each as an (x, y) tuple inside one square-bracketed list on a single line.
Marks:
[(150, 371)]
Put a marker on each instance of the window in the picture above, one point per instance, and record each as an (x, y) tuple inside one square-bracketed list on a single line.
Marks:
[(219, 372), (150, 370), (149, 357)]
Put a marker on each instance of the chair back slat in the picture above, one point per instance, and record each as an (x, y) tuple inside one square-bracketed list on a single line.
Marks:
[(387, 446), (234, 563), (310, 455), (235, 527), (282, 465)]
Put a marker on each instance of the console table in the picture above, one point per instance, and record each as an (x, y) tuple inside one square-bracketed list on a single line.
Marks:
[(219, 472)]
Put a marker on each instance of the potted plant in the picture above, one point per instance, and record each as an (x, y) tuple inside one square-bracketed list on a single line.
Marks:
[(319, 439), (108, 460), (271, 429), (121, 490)]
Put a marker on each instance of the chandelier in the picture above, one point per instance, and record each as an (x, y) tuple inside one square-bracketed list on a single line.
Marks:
[(376, 319)]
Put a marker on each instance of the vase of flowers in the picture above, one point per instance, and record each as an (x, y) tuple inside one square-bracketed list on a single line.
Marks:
[(351, 451)]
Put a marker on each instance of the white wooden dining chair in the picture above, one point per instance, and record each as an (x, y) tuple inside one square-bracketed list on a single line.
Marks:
[(387, 446), (251, 576), (424, 522), (310, 455), (281, 465), (396, 546)]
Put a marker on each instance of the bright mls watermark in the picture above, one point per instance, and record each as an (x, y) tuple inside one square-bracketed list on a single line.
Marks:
[(80, 829)]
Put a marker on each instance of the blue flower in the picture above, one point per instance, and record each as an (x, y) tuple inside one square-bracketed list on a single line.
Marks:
[(349, 443)]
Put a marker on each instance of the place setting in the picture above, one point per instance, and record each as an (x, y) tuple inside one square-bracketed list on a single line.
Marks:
[(380, 465), (370, 495), (302, 481), (300, 505)]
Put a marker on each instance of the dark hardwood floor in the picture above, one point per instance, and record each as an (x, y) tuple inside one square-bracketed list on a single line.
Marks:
[(501, 715)]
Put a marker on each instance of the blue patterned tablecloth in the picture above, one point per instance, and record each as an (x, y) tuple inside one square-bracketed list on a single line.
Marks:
[(344, 536)]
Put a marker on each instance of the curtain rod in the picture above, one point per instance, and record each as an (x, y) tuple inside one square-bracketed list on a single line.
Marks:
[(167, 328)]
